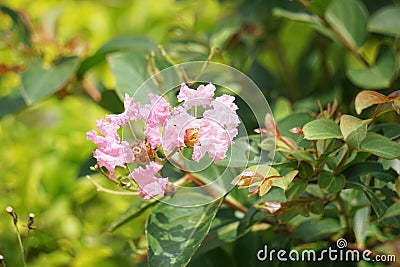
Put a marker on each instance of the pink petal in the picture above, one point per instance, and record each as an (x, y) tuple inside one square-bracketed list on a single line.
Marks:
[(174, 130), (157, 111), (214, 141), (149, 184), (200, 97)]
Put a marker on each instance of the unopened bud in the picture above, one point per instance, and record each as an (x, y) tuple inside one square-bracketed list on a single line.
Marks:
[(170, 190), (11, 211), (30, 221), (2, 263)]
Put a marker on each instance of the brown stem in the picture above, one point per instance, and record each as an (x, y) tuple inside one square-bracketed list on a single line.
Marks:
[(342, 161)]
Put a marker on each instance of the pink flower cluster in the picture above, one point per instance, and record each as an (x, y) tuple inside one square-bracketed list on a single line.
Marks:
[(211, 133)]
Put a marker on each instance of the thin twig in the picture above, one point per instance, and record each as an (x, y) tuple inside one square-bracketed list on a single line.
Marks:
[(103, 189)]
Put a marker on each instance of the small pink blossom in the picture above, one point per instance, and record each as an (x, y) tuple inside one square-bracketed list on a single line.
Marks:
[(157, 111), (224, 112), (155, 114), (110, 152), (149, 184), (174, 130), (153, 134), (213, 140), (200, 97), (131, 112)]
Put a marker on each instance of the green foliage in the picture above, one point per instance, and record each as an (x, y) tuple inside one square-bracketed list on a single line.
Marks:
[(175, 233), (334, 173)]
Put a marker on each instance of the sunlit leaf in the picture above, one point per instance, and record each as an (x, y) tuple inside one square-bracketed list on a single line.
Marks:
[(285, 181), (367, 98), (386, 21), (175, 233), (353, 129), (321, 129), (264, 187)]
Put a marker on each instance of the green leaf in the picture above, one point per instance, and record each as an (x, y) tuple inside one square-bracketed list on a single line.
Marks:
[(392, 211), (386, 21), (129, 71), (349, 19), (175, 233), (315, 190), (38, 82), (119, 44), (296, 189), (353, 129), (316, 229), (367, 98), (284, 182), (377, 75), (319, 6), (321, 129), (330, 183), (134, 210), (11, 103), (360, 225), (381, 146), (390, 130), (377, 204), (305, 169), (20, 23), (373, 168)]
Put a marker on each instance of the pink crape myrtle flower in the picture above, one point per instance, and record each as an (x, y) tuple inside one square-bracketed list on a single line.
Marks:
[(110, 152), (132, 111), (200, 97), (213, 140), (175, 127), (224, 112), (155, 114), (149, 184), (213, 133)]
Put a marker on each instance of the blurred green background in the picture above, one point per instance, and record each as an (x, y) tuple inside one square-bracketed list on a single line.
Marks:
[(44, 148), (45, 145)]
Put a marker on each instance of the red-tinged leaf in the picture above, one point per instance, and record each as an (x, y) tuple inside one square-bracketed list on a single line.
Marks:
[(396, 105), (287, 142), (269, 207), (270, 125), (265, 187), (368, 98), (394, 94)]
